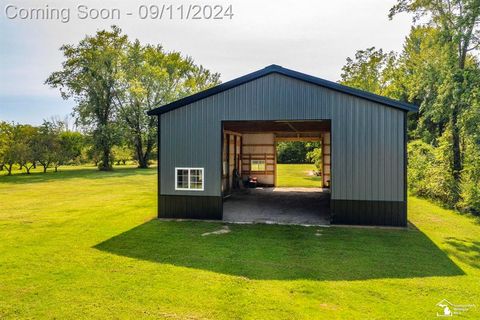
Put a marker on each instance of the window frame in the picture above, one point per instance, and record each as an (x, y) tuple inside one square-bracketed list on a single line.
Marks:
[(257, 164), (189, 169)]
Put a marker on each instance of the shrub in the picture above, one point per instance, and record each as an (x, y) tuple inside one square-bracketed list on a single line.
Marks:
[(315, 156), (420, 157), (470, 194), (470, 182), (429, 173)]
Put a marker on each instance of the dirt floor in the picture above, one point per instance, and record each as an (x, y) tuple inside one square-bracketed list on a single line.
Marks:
[(278, 205)]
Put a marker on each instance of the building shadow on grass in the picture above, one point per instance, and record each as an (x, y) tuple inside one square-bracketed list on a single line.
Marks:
[(273, 252), (465, 250)]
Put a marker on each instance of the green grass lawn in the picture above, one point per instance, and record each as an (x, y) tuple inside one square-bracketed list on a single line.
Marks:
[(297, 175), (85, 244)]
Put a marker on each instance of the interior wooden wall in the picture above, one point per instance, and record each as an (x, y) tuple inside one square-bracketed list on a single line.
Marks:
[(326, 158), (231, 158), (259, 146)]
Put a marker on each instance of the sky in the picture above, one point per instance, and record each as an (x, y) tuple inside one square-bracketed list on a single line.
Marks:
[(314, 37)]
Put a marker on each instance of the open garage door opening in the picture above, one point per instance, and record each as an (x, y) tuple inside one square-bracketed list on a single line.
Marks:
[(256, 188)]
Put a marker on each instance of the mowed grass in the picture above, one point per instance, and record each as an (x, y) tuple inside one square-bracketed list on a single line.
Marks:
[(297, 175), (83, 244)]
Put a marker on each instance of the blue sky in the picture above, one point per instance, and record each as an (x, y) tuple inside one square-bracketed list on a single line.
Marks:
[(309, 36)]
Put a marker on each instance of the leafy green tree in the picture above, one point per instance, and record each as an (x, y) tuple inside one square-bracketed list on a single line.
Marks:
[(54, 146), (122, 154), (470, 183), (153, 77), (91, 154), (422, 71), (45, 145), (367, 70), (24, 148), (315, 157), (71, 145), (7, 145), (295, 151), (91, 73), (428, 172), (458, 24), (5, 128)]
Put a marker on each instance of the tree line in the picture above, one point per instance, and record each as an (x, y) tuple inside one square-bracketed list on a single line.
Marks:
[(438, 70), (115, 81), (298, 152), (49, 145)]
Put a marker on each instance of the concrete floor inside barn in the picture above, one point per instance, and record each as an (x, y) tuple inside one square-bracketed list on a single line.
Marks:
[(305, 206)]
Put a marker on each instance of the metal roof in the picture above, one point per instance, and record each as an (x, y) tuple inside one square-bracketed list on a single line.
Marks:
[(289, 73)]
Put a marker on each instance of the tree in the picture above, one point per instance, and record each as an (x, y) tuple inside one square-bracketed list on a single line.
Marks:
[(153, 77), (366, 70), (92, 154), (23, 150), (71, 145), (295, 151), (122, 154), (46, 145), (91, 74), (54, 146), (458, 24), (7, 144), (422, 70), (5, 129), (315, 156)]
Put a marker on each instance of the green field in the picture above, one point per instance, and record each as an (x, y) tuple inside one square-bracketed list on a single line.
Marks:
[(85, 244), (297, 175)]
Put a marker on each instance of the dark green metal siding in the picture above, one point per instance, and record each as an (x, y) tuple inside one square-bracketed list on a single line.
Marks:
[(187, 207), (375, 213)]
